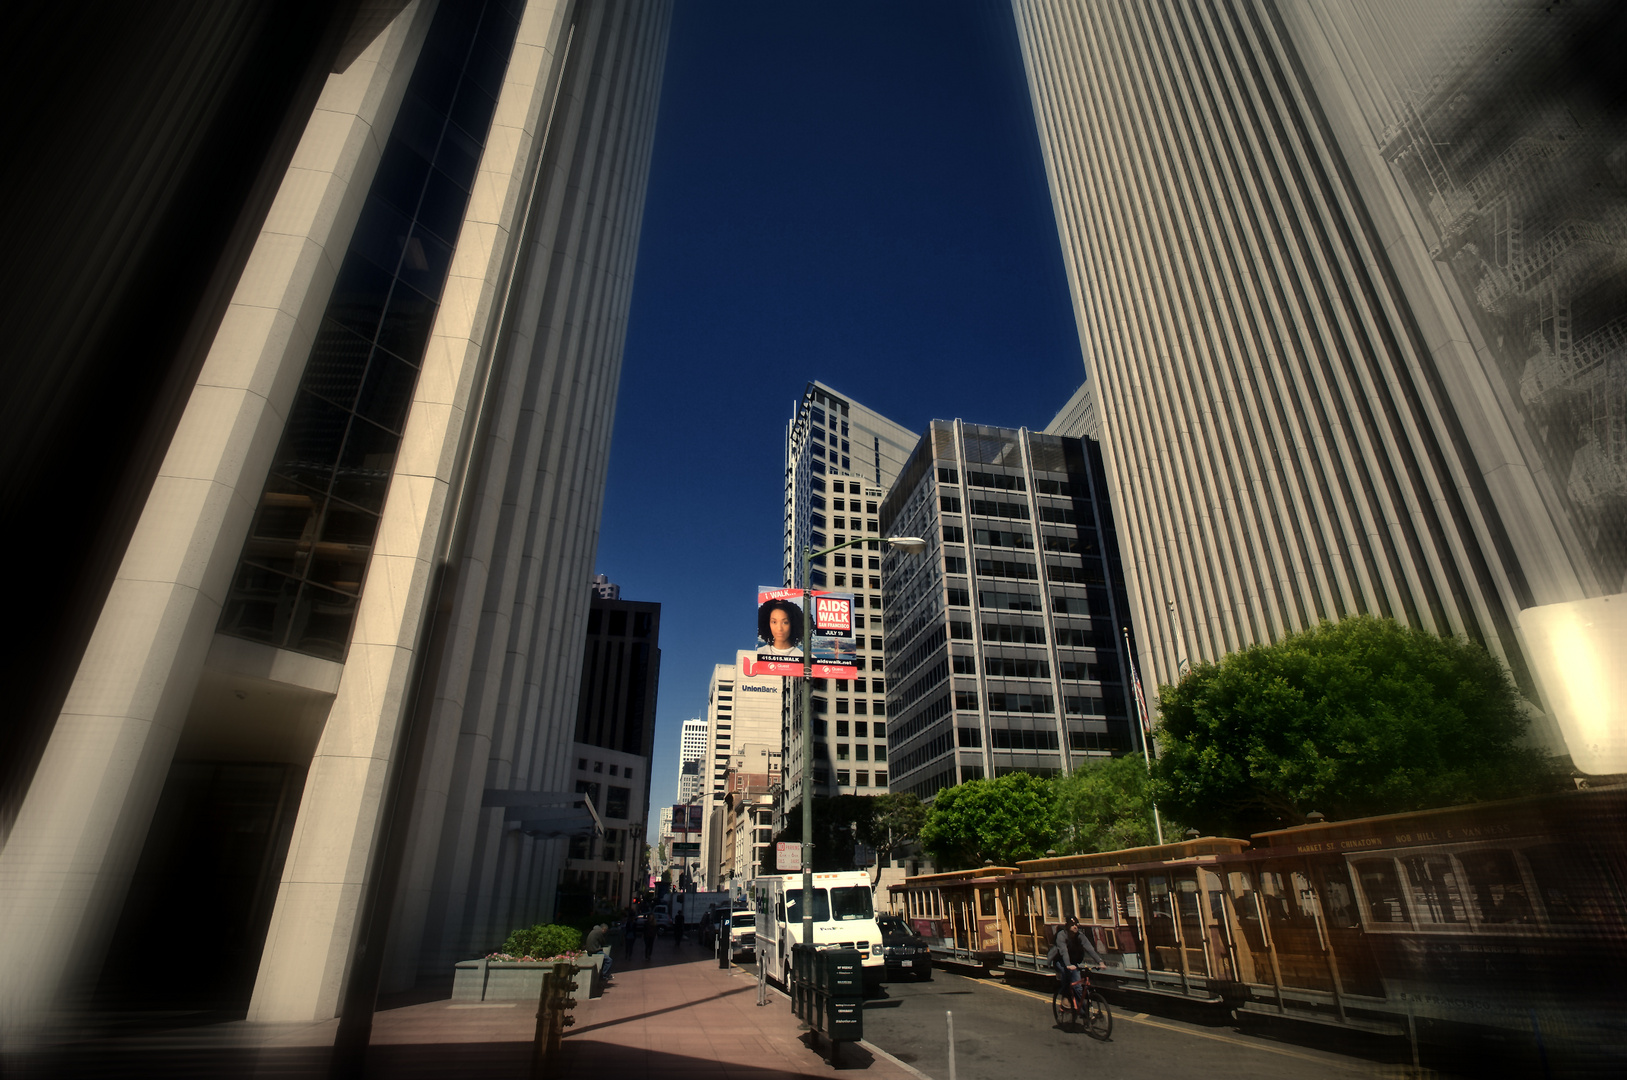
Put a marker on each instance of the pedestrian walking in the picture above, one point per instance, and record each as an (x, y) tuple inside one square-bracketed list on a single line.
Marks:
[(649, 935), (629, 931), (678, 926)]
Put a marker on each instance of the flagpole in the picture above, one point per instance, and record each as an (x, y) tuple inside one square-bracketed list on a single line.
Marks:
[(1146, 726)]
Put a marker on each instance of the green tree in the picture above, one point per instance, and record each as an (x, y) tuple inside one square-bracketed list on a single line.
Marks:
[(1105, 804), (1002, 820), (1359, 717), (895, 822)]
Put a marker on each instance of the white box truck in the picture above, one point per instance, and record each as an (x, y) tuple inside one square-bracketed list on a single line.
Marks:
[(844, 916)]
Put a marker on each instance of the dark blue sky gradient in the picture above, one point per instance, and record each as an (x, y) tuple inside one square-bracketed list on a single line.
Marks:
[(850, 192)]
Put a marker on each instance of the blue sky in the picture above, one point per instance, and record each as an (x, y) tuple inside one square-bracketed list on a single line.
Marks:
[(850, 192)]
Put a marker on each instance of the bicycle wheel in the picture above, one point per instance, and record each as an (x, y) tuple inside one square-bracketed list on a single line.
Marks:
[(1062, 1008), (1098, 1017)]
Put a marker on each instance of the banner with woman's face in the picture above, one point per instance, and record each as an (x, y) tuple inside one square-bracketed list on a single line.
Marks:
[(782, 624)]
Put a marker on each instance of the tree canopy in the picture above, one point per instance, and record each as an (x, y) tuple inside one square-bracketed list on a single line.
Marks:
[(1003, 820), (1105, 804), (894, 823), (1359, 717)]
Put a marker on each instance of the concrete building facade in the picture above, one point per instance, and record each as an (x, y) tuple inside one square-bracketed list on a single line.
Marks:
[(615, 740), (1347, 277), (741, 711), (840, 459), (1005, 651), (356, 580)]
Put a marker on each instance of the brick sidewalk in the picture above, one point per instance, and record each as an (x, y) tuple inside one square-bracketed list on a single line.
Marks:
[(683, 1018)]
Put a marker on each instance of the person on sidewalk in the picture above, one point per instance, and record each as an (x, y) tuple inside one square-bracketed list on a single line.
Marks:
[(649, 935), (678, 926), (629, 932), (596, 944)]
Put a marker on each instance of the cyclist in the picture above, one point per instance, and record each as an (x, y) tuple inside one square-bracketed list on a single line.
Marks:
[(1068, 951)]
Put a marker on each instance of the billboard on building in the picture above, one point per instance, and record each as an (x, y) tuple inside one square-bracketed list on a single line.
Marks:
[(781, 624)]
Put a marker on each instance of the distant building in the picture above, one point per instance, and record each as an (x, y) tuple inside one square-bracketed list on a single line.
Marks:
[(693, 752), (748, 814), (741, 711), (604, 588), (615, 739), (1004, 648), (840, 458)]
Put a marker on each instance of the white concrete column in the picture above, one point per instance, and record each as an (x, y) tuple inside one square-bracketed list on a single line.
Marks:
[(312, 928), (68, 860)]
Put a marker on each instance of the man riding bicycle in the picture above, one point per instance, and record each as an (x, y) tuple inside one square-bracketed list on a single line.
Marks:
[(1068, 951)]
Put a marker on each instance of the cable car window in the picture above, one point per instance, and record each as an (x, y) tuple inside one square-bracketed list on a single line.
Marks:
[(1158, 897), (1083, 891), (1573, 887), (1067, 902), (1104, 900), (1050, 902), (1385, 905), (1241, 883), (1274, 896), (1338, 898), (1496, 891), (1435, 894), (986, 902)]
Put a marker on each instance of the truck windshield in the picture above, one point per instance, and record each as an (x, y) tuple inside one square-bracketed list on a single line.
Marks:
[(851, 902), (793, 905)]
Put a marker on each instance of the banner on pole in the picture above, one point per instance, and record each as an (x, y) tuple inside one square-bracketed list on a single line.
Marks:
[(781, 624)]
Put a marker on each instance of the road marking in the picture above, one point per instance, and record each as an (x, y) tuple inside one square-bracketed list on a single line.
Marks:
[(906, 1066), (1141, 1018)]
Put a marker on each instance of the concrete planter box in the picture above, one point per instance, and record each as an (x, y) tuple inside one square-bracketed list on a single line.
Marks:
[(498, 980)]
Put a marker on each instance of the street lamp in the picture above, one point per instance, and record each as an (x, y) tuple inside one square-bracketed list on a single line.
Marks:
[(909, 545)]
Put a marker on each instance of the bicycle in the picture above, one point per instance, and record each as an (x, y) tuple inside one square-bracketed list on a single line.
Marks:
[(1081, 1004)]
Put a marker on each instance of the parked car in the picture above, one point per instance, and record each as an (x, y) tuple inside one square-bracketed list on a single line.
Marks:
[(906, 951), (742, 935)]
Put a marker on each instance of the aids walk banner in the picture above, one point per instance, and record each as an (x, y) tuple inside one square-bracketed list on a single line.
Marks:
[(781, 624)]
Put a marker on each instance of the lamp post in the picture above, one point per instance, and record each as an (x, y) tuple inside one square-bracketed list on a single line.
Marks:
[(910, 545)]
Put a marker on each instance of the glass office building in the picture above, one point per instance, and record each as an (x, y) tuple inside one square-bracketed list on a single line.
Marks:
[(1005, 648)]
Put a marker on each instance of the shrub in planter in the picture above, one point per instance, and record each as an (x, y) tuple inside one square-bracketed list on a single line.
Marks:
[(544, 939)]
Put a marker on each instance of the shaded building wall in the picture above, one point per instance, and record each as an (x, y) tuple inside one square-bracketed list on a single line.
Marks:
[(1294, 424)]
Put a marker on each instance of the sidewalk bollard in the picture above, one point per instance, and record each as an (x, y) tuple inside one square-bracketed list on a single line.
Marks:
[(951, 1018), (762, 982)]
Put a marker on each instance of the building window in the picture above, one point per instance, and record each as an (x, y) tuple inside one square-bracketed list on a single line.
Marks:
[(881, 779), (842, 779), (841, 751), (863, 779), (841, 705), (861, 752), (841, 727), (881, 751), (881, 730), (859, 707), (859, 728)]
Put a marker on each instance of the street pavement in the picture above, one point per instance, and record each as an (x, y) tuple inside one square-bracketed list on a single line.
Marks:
[(678, 1016), (1001, 1027)]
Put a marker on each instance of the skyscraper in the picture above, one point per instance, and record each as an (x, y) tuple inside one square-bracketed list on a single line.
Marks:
[(693, 758), (1347, 282), (346, 631), (1005, 649), (615, 739), (840, 458)]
